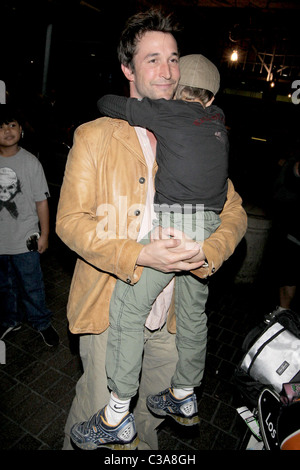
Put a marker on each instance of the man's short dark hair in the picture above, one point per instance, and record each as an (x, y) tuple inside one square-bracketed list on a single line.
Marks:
[(138, 25)]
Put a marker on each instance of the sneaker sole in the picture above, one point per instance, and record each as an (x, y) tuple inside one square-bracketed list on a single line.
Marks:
[(91, 446), (11, 330), (183, 420), (48, 343)]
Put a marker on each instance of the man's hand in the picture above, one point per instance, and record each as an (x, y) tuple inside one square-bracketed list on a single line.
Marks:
[(175, 254)]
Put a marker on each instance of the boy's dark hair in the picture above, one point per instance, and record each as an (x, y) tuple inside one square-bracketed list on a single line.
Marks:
[(9, 113), (138, 25), (191, 93)]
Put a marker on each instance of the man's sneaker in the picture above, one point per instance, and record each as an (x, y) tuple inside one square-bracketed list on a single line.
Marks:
[(50, 336), (4, 330), (184, 411), (96, 433)]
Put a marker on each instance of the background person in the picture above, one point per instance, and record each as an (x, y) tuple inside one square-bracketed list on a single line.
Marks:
[(23, 213)]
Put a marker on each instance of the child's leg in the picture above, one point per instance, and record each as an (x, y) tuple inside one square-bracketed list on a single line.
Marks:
[(129, 307), (179, 402), (191, 332), (29, 275), (190, 300), (9, 316)]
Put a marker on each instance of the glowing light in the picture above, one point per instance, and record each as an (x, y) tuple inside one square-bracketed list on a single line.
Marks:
[(258, 138), (234, 56)]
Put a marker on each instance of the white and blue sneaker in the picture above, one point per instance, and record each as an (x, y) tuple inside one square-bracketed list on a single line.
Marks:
[(97, 432), (184, 411)]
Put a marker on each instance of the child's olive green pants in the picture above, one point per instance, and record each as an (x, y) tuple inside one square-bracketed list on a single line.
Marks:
[(130, 306)]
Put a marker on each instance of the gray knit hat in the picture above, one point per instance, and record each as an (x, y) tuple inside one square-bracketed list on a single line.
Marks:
[(198, 72)]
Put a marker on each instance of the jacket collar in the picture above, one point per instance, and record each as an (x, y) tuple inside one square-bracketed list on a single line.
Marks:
[(127, 135)]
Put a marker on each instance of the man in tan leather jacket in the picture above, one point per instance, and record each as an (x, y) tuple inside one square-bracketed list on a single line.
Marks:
[(104, 208)]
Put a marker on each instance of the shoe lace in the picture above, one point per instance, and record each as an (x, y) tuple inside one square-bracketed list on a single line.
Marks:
[(93, 421)]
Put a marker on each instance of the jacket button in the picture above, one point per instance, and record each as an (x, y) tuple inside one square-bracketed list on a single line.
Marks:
[(128, 280), (137, 212), (142, 180)]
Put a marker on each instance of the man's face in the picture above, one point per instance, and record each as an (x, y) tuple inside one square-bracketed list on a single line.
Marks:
[(156, 67)]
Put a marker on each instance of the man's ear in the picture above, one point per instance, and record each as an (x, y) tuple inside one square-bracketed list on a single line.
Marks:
[(127, 72)]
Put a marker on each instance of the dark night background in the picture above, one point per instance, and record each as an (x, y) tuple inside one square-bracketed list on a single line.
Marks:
[(37, 385), (83, 66)]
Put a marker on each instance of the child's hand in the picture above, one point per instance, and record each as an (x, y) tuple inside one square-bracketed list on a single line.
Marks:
[(185, 242), (158, 234), (42, 244)]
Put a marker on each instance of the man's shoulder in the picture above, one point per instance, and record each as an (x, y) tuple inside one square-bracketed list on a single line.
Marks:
[(102, 124), (92, 125)]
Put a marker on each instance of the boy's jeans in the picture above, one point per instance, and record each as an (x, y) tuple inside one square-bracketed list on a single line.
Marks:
[(21, 280)]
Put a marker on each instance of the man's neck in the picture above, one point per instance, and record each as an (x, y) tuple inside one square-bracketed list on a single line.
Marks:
[(152, 140)]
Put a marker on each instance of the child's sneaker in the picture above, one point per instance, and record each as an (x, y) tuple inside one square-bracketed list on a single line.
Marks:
[(184, 411), (96, 433)]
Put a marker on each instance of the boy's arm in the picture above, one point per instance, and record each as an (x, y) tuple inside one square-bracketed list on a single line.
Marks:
[(137, 112), (78, 222), (43, 215), (113, 106)]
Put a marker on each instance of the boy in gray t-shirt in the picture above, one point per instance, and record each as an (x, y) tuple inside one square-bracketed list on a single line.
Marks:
[(24, 230)]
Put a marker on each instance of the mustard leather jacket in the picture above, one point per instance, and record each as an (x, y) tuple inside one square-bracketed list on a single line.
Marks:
[(102, 201)]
